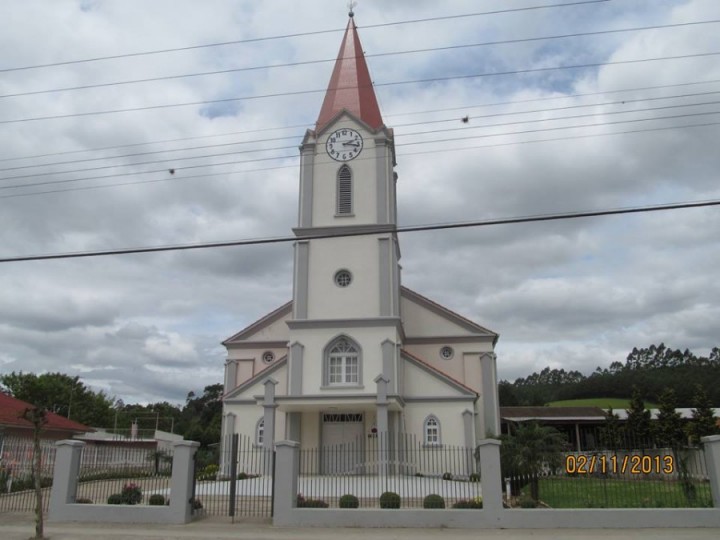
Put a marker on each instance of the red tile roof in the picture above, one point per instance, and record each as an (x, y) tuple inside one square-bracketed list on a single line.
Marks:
[(11, 411), (350, 85)]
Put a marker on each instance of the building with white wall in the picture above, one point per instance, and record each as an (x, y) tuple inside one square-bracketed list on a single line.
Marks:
[(354, 353)]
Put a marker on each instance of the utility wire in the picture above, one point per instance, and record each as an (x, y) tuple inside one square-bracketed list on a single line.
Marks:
[(327, 60), (393, 83), (445, 130), (423, 152), (378, 230), (301, 34), (304, 125), (404, 154)]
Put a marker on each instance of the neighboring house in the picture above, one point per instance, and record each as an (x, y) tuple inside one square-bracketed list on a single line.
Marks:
[(12, 425), (355, 354)]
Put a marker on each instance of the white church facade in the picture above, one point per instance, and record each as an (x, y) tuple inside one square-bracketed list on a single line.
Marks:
[(354, 353)]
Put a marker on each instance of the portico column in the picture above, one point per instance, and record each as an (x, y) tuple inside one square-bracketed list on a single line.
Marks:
[(269, 407), (382, 423)]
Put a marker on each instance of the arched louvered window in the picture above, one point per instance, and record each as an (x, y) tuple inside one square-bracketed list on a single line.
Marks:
[(344, 191), (260, 432)]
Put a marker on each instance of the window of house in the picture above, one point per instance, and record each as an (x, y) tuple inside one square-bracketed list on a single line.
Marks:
[(260, 432), (342, 362), (344, 191), (431, 431)]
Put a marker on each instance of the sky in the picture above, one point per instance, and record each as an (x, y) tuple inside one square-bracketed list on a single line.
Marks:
[(573, 294)]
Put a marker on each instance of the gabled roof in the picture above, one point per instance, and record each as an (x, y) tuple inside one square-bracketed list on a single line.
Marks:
[(256, 378), (12, 409), (438, 374), (261, 323), (350, 86), (447, 313)]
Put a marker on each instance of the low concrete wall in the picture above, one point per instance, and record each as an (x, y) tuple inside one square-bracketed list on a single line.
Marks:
[(493, 515), (67, 467)]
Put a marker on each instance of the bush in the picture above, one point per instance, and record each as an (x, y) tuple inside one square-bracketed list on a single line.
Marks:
[(156, 500), (209, 472), (389, 500), (246, 476), (419, 475), (433, 501), (447, 476), (302, 502), (348, 501), (195, 504), (526, 501), (469, 504), (83, 500), (131, 493), (474, 477), (115, 498)]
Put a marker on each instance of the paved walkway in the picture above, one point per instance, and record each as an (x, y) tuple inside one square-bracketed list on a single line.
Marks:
[(21, 527)]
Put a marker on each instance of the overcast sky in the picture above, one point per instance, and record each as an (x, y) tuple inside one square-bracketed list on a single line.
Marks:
[(573, 294)]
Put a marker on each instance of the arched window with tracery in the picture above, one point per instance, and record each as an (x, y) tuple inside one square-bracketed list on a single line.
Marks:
[(431, 431), (342, 363)]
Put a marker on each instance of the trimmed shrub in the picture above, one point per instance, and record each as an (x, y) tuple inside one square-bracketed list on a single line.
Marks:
[(433, 501), (447, 476), (389, 500), (474, 477), (195, 504), (115, 498), (349, 501), (131, 493), (302, 502), (156, 500), (419, 475), (83, 500), (469, 504), (526, 501)]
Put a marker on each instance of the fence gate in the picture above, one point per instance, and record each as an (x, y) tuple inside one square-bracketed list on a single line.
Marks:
[(239, 482)]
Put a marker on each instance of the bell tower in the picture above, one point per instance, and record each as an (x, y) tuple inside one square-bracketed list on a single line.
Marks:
[(345, 328)]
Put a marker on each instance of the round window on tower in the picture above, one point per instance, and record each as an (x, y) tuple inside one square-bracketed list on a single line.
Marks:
[(268, 356), (343, 278), (446, 353)]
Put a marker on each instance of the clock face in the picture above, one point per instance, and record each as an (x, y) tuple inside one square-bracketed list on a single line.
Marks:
[(344, 144)]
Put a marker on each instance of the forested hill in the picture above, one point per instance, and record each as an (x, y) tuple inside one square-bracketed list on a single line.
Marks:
[(651, 370)]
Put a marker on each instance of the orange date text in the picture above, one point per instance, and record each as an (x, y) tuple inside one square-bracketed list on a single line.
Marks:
[(624, 464)]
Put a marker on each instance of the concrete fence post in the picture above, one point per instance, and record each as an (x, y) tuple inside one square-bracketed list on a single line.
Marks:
[(182, 480), (65, 475), (711, 446), (285, 489), (490, 474)]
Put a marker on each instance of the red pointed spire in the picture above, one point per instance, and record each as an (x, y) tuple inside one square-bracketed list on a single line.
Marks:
[(350, 85)]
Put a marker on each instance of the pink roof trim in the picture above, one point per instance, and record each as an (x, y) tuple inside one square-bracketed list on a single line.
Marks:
[(350, 87)]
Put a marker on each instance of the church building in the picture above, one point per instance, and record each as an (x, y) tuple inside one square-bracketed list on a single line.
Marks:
[(355, 354)]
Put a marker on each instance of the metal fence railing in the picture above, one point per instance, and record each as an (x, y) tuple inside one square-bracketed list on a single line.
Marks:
[(237, 481), (367, 468), (17, 473), (619, 470)]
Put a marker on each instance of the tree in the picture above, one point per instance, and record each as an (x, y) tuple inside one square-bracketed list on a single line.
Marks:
[(703, 421), (202, 415), (532, 447), (62, 394), (637, 426), (611, 432), (38, 417)]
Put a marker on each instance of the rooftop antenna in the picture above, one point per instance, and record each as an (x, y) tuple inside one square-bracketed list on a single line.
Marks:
[(350, 6)]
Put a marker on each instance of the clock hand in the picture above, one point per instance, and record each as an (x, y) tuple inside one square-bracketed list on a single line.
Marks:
[(350, 143)]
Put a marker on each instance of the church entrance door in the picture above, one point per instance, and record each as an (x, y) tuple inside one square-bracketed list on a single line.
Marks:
[(342, 443)]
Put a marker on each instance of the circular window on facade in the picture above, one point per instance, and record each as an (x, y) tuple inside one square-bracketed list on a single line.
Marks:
[(343, 278), (268, 356), (446, 353)]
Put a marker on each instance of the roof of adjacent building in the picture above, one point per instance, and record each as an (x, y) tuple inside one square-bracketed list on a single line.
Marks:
[(12, 409), (522, 414), (350, 86)]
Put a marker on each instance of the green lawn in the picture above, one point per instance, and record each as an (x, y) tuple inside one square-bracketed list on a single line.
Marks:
[(584, 492), (603, 403)]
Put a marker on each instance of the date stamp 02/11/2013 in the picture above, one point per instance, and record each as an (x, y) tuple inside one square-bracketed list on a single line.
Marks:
[(614, 464)]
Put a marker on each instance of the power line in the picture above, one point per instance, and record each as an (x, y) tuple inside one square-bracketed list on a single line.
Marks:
[(304, 125), (423, 152), (378, 230), (501, 124), (393, 83), (327, 60), (300, 34)]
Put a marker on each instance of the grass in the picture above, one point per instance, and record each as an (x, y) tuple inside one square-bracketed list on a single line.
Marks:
[(584, 492), (603, 403)]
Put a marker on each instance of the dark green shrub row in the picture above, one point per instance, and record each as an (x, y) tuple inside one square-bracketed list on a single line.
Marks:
[(23, 484), (468, 504), (302, 502)]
